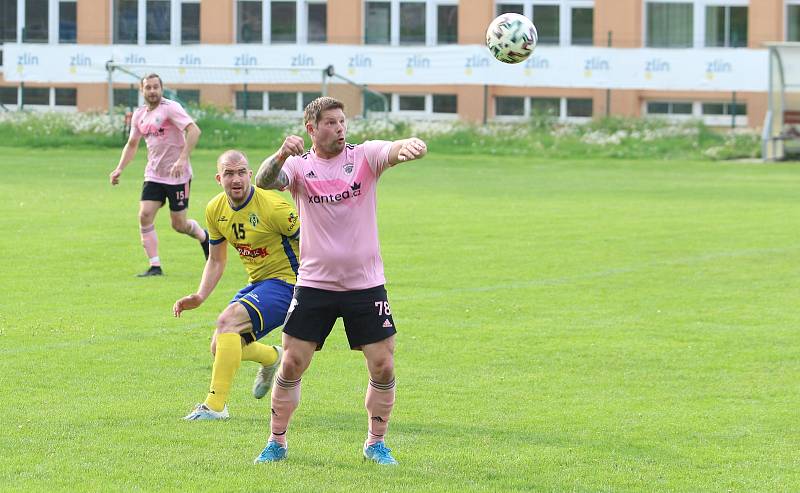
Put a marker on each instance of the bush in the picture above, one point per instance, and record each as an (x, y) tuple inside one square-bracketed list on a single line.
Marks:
[(542, 136)]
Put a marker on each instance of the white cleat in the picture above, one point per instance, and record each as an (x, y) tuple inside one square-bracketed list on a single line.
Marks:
[(266, 375), (202, 413)]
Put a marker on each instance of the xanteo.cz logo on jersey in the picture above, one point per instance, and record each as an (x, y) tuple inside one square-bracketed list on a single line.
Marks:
[(355, 191)]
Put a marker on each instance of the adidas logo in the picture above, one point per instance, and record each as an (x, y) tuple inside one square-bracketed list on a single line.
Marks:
[(355, 186), (387, 323), (311, 174)]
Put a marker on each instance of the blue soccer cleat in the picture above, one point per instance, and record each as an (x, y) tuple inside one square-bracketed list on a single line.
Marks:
[(379, 453), (273, 452)]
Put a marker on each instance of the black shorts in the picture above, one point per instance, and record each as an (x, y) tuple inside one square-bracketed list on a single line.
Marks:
[(366, 314), (178, 195)]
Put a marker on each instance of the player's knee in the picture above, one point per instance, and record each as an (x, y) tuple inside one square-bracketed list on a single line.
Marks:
[(227, 323), (180, 225), (213, 347), (146, 220), (292, 366), (381, 369)]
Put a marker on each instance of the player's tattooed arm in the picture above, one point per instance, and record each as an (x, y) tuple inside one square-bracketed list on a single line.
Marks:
[(270, 175)]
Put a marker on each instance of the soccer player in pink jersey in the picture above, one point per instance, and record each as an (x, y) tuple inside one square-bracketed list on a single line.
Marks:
[(170, 134), (341, 271)]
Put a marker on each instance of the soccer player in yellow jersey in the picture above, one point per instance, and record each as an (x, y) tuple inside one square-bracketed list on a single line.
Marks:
[(264, 230)]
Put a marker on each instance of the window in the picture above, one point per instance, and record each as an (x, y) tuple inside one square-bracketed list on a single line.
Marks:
[(190, 23), (36, 26), (583, 26), (67, 22), (579, 107), (545, 107), (509, 106), (411, 103), (38, 96), (793, 23), (447, 24), (310, 96), (249, 100), (158, 22), (669, 108), (8, 95), (412, 23), (444, 103), (126, 21), (726, 26), (188, 96), (66, 96), (546, 19), (514, 8), (284, 101), (284, 22), (281, 21), (715, 109), (128, 97), (378, 23), (669, 25), (373, 102), (249, 22), (8, 25), (317, 23)]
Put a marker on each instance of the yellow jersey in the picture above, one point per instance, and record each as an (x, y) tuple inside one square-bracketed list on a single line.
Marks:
[(264, 231)]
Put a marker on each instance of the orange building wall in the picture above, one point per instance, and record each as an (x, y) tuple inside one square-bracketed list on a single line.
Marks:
[(217, 21), (623, 18), (345, 19), (765, 22), (474, 17), (94, 22), (92, 97), (470, 103)]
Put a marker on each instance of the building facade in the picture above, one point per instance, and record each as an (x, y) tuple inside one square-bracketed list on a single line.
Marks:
[(172, 24)]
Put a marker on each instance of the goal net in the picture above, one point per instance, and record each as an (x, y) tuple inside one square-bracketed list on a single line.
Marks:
[(253, 89)]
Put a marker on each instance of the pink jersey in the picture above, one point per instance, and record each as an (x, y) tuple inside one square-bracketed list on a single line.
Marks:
[(162, 129), (336, 200)]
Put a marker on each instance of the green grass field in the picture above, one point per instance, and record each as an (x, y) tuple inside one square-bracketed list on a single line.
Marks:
[(587, 325)]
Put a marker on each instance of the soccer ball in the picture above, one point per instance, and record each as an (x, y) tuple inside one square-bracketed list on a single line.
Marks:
[(511, 38)]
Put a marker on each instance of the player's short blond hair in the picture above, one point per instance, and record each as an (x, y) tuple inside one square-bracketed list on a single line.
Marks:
[(315, 108), (232, 156)]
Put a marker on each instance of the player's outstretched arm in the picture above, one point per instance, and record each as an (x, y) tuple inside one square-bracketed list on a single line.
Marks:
[(212, 273), (407, 150), (269, 174), (128, 153)]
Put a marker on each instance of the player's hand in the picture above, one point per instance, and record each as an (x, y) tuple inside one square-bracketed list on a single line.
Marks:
[(292, 146), (179, 168), (114, 176), (411, 149), (187, 303)]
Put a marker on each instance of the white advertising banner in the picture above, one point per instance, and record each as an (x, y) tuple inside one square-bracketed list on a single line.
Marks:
[(573, 67)]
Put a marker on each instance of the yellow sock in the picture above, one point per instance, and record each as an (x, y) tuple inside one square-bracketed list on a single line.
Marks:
[(260, 353), (226, 362)]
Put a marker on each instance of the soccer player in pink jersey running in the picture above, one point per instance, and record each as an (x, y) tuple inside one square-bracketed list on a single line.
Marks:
[(341, 271), (168, 174)]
